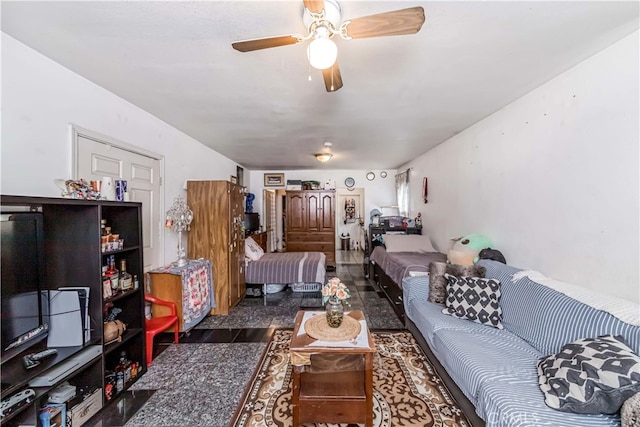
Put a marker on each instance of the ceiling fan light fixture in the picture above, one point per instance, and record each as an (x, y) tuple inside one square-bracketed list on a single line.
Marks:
[(323, 157), (322, 53)]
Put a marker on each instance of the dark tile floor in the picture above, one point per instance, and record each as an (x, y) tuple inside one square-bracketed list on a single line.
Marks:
[(200, 380)]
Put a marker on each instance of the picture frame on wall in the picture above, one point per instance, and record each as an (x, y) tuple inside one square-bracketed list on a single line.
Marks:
[(233, 179), (273, 179)]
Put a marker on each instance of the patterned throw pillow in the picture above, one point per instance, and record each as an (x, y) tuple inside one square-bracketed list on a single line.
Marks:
[(474, 298), (252, 249), (438, 283), (590, 375)]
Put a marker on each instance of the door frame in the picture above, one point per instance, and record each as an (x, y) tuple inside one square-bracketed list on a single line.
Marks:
[(77, 131)]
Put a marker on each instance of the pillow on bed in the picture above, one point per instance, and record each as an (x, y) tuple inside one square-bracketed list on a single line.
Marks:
[(252, 250), (438, 283), (408, 243)]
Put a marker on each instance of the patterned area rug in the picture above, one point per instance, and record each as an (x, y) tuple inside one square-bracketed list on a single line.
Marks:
[(407, 390)]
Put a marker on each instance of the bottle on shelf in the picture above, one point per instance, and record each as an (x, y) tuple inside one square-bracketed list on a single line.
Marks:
[(106, 282), (126, 280), (104, 236), (113, 274), (136, 284), (119, 381), (120, 372)]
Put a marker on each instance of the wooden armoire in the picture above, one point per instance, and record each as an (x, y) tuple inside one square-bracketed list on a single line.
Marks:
[(310, 222), (217, 235)]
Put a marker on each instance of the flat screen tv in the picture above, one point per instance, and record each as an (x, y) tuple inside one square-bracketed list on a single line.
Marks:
[(23, 297), (251, 222)]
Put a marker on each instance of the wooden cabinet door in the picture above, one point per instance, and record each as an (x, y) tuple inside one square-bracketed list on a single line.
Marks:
[(296, 212), (326, 214), (313, 204)]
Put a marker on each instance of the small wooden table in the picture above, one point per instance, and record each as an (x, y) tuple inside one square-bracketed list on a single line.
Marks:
[(328, 394)]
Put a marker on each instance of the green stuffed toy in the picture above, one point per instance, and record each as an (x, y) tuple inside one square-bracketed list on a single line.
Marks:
[(467, 248)]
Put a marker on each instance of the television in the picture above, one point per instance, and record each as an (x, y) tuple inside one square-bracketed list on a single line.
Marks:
[(251, 222), (24, 299)]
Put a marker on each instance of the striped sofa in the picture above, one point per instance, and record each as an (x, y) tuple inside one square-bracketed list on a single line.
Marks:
[(496, 369)]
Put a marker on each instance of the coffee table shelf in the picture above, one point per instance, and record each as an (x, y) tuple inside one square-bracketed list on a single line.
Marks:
[(332, 396)]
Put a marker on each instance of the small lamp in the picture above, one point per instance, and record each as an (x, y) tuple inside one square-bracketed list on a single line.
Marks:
[(179, 218)]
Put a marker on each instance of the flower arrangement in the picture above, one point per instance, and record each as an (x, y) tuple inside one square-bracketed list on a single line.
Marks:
[(335, 289)]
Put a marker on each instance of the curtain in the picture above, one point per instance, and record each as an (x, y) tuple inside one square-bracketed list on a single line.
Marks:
[(402, 192)]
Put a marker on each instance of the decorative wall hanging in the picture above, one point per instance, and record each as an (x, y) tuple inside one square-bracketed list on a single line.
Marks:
[(349, 210), (424, 189), (273, 179)]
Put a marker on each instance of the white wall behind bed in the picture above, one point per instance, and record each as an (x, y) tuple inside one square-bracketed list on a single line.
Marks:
[(552, 178)]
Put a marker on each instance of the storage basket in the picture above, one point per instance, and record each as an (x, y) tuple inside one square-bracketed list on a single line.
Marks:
[(306, 287)]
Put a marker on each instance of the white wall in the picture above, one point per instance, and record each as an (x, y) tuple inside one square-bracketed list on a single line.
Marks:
[(552, 179), (40, 98)]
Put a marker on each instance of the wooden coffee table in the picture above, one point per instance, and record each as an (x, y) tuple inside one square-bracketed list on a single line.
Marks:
[(332, 382)]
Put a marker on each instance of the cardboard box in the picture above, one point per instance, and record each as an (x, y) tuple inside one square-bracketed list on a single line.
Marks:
[(80, 413)]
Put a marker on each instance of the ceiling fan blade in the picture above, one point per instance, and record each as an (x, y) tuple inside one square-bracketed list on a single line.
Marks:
[(332, 78), (398, 22), (315, 6), (265, 43)]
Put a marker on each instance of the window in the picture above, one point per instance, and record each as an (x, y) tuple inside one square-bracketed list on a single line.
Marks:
[(402, 191)]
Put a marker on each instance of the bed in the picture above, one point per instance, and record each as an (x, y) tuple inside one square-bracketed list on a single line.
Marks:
[(398, 265), (287, 268), (401, 256)]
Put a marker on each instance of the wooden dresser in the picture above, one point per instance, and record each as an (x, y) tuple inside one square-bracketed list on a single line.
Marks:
[(261, 239), (310, 223), (216, 234)]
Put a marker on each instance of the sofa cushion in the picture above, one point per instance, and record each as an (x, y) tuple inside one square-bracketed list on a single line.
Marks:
[(590, 376), (534, 312), (438, 283), (516, 401), (428, 317), (473, 358), (475, 299)]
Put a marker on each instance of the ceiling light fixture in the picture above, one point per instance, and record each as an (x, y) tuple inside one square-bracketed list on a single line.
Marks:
[(326, 154), (322, 51), (323, 157)]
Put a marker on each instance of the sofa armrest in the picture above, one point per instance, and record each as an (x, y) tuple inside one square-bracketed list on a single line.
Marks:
[(415, 288)]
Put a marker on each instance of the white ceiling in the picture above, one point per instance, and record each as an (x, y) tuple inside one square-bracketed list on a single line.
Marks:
[(402, 95)]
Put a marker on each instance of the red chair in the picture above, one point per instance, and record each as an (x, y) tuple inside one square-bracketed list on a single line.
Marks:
[(159, 324)]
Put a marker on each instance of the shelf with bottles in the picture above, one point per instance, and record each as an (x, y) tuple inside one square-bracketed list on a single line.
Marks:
[(121, 295), (119, 282), (120, 373)]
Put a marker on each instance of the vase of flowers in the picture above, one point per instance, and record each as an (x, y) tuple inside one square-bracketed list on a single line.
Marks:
[(334, 293)]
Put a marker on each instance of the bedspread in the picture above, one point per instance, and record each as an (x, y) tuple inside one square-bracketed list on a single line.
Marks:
[(286, 268), (397, 265)]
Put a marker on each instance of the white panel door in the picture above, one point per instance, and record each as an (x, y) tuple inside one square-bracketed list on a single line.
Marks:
[(96, 159)]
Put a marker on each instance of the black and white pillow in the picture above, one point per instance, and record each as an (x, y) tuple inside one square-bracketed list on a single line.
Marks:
[(438, 283), (590, 376), (474, 298)]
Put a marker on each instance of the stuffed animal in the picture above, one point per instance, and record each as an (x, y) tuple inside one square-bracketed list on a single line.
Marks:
[(492, 254), (466, 249)]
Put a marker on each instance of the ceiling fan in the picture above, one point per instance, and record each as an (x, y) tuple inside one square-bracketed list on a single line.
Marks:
[(323, 21)]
